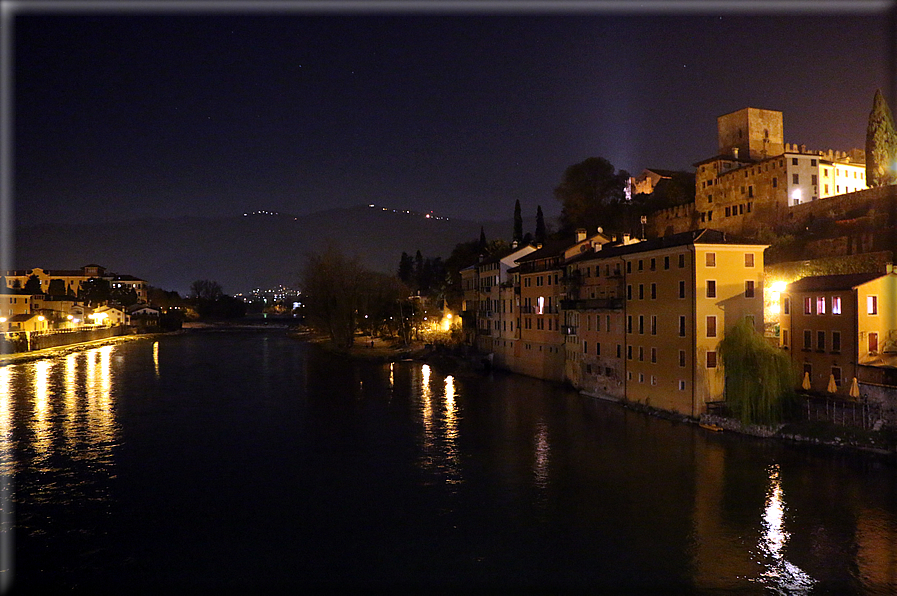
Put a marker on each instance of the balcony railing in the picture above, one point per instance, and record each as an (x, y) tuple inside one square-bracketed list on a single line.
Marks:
[(593, 303)]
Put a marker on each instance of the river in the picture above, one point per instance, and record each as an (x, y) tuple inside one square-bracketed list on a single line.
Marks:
[(227, 462)]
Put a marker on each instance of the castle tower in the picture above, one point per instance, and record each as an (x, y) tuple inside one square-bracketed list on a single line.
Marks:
[(751, 133)]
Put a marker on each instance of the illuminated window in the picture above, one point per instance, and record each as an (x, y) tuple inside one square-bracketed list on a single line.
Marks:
[(872, 305), (836, 305), (820, 305), (808, 305)]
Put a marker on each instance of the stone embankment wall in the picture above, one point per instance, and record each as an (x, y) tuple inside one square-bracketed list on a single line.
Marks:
[(40, 340)]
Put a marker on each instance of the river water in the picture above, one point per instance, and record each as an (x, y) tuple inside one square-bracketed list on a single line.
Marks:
[(247, 461)]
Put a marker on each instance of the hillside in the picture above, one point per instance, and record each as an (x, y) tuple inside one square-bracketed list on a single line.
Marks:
[(246, 251)]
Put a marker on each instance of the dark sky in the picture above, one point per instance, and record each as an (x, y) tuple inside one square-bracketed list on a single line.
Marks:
[(124, 114)]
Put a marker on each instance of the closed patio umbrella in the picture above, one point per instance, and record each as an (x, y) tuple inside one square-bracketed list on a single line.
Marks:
[(806, 383), (854, 389), (832, 386)]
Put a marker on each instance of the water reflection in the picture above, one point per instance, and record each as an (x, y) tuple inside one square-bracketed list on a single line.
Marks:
[(5, 421), (780, 575), (156, 357), (542, 454), (439, 441), (41, 424)]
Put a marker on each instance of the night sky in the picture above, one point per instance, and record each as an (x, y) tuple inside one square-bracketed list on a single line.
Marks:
[(128, 114)]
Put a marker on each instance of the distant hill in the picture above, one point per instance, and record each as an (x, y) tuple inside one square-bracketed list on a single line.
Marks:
[(246, 251)]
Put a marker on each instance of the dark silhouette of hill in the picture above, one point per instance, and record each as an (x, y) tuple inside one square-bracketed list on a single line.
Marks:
[(246, 251)]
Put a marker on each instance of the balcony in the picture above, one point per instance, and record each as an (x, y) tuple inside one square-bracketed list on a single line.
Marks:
[(593, 304)]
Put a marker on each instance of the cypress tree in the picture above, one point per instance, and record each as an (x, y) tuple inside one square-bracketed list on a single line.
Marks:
[(540, 225), (881, 144), (518, 222)]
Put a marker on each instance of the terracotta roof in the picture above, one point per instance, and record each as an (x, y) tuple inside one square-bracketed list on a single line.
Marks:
[(821, 283)]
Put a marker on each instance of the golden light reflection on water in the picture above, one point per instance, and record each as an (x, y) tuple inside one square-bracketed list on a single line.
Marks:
[(5, 420), (156, 357), (780, 575), (439, 441), (71, 399), (41, 420)]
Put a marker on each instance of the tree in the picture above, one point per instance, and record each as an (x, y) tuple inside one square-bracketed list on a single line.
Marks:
[(332, 285), (406, 268), (32, 285), (124, 296), (591, 193), (482, 240), (95, 291), (881, 144), (205, 289), (759, 378), (518, 222), (540, 225), (56, 287)]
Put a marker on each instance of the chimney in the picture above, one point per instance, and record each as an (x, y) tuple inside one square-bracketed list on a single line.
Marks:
[(580, 234)]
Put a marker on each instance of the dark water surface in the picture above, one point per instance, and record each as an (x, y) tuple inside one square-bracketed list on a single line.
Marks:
[(246, 461)]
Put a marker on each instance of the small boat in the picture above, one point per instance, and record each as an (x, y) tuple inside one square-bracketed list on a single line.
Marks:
[(713, 427)]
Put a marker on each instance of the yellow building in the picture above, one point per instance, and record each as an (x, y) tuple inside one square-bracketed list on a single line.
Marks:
[(655, 321), (72, 279), (837, 327)]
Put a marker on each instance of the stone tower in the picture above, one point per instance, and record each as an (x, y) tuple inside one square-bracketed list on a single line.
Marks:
[(751, 134)]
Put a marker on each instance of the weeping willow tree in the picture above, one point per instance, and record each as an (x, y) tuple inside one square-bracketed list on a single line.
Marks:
[(759, 378)]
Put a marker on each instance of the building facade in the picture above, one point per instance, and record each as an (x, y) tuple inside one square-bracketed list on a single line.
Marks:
[(839, 327)]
